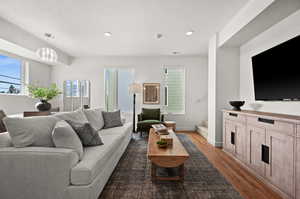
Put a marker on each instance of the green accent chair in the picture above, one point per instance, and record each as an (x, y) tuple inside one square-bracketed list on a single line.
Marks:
[(147, 118)]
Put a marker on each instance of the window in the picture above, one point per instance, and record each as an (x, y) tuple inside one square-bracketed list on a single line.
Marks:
[(174, 89), (117, 96), (11, 75), (72, 88)]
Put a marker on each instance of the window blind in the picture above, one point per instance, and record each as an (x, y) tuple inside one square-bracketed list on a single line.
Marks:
[(174, 89)]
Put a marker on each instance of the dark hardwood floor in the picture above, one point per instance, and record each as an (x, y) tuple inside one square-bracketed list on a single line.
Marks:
[(246, 183)]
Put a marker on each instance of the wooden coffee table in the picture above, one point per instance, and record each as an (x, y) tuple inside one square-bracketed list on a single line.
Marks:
[(173, 156)]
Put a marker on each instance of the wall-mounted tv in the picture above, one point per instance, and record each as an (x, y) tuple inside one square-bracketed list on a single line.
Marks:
[(276, 72)]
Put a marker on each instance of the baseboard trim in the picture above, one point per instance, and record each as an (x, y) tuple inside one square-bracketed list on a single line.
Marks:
[(215, 144)]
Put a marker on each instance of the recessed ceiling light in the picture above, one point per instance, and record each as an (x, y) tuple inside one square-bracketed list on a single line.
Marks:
[(107, 34), (159, 35), (49, 35), (189, 33)]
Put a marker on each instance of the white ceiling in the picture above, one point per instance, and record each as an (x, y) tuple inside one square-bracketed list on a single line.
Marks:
[(78, 25)]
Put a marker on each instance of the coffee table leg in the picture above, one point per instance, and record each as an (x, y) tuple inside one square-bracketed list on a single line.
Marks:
[(153, 172), (181, 172)]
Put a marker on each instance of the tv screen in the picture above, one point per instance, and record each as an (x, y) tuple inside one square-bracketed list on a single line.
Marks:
[(276, 72)]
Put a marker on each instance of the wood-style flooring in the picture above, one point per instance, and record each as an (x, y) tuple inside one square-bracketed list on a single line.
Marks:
[(245, 183)]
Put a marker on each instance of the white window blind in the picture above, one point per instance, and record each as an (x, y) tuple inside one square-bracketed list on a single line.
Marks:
[(174, 78)]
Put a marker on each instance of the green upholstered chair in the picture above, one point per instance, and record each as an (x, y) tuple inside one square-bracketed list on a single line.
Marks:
[(147, 118)]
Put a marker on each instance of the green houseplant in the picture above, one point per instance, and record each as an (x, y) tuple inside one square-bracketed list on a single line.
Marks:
[(44, 94)]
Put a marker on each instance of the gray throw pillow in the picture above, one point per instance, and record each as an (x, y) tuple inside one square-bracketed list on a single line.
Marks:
[(64, 136), (87, 134), (31, 131), (95, 118), (112, 119)]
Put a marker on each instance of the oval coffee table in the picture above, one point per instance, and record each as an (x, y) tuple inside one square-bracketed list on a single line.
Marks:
[(170, 157)]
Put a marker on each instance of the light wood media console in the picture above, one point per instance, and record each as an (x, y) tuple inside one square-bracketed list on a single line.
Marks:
[(267, 144)]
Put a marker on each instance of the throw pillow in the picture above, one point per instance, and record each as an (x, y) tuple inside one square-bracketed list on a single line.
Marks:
[(112, 119), (94, 117), (87, 134), (64, 136), (31, 131), (2, 126), (5, 140), (75, 116)]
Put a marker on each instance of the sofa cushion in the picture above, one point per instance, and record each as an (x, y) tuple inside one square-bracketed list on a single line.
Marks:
[(75, 116), (95, 158), (112, 119), (86, 133), (5, 140), (64, 136), (31, 131), (95, 118)]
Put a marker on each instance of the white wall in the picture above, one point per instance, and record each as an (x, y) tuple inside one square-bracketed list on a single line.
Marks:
[(223, 86), (147, 69), (282, 31)]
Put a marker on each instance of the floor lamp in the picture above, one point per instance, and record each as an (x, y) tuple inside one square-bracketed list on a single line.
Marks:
[(134, 89)]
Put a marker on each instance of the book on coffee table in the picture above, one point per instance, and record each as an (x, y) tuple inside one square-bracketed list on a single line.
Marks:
[(160, 129)]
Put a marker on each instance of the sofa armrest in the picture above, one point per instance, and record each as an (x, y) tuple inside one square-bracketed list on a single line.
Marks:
[(35, 172)]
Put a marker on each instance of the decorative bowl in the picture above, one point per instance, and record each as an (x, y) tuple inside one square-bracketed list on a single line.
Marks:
[(237, 105)]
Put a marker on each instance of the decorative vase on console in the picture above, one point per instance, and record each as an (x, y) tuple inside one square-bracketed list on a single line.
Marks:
[(44, 94)]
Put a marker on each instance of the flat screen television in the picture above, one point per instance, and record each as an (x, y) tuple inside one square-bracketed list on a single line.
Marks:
[(276, 72)]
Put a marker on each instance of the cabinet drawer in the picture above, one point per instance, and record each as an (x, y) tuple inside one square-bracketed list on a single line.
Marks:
[(234, 116), (287, 128)]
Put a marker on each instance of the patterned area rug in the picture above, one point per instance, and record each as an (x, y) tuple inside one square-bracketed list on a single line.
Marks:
[(131, 178)]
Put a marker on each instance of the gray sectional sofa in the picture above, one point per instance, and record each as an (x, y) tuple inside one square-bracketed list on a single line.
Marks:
[(38, 172)]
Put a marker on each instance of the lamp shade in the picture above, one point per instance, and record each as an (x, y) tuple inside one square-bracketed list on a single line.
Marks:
[(135, 88)]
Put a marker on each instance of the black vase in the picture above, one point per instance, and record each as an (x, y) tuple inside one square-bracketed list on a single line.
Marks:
[(43, 105)]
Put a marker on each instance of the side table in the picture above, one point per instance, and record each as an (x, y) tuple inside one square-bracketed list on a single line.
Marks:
[(170, 124)]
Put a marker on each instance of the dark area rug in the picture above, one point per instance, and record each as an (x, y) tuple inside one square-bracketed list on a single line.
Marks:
[(131, 179)]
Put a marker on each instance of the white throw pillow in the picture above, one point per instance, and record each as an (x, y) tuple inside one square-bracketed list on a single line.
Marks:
[(64, 136), (75, 116), (5, 140), (95, 118), (31, 131)]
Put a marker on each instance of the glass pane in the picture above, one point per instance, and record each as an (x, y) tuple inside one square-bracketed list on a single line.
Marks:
[(125, 99), (10, 75), (117, 81)]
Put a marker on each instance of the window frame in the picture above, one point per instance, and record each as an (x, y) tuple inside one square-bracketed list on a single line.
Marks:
[(166, 87), (24, 75)]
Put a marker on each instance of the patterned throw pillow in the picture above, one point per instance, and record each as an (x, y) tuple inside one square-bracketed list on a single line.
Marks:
[(112, 119), (87, 134)]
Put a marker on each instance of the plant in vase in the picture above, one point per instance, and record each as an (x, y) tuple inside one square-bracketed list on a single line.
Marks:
[(44, 94)]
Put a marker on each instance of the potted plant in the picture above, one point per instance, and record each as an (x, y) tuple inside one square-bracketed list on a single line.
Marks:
[(44, 94), (162, 144)]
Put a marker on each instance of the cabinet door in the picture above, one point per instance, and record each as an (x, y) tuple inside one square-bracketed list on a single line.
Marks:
[(280, 169), (298, 165), (240, 145), (256, 139), (229, 136)]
